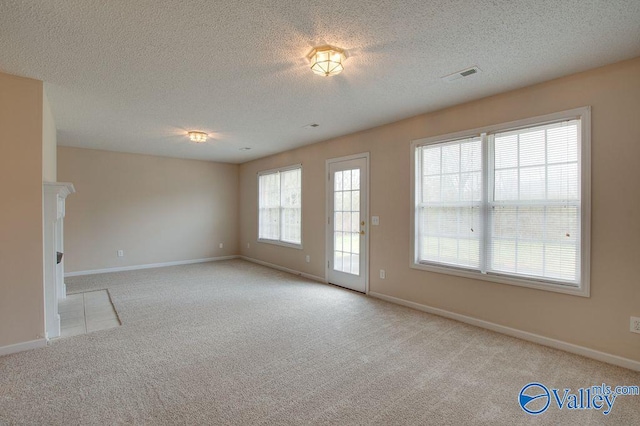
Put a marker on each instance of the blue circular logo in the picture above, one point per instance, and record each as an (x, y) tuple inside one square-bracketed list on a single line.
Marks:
[(534, 398)]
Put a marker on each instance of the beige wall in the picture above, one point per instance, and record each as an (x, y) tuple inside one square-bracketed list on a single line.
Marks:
[(49, 141), (21, 269), (156, 209), (600, 322)]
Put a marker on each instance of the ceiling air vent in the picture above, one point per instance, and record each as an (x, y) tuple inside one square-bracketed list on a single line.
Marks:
[(461, 74)]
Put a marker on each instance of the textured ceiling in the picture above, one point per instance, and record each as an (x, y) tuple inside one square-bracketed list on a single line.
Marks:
[(134, 76)]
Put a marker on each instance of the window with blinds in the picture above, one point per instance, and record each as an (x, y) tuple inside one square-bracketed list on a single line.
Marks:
[(280, 206), (505, 203)]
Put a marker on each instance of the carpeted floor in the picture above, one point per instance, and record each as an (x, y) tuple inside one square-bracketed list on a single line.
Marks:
[(236, 343)]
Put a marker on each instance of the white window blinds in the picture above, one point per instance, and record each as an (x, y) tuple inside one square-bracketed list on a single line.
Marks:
[(503, 203), (450, 203), (535, 202), (280, 205)]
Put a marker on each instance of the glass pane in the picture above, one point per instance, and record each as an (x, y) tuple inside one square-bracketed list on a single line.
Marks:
[(346, 267), (505, 222), (561, 261), (563, 182), (562, 224), (355, 222), (355, 264), (337, 206), (346, 180), (346, 242), (337, 222), (355, 201), (355, 243), (531, 223), (561, 143), (338, 260), (451, 158), (470, 157), (346, 201), (506, 185), (506, 151), (431, 189), (355, 179), (471, 186), (450, 188), (337, 181), (346, 221), (532, 148), (530, 259), (450, 235), (532, 183), (503, 255), (291, 229), (431, 160), (448, 250)]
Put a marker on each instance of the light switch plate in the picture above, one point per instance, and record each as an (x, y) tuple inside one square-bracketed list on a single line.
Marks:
[(375, 220)]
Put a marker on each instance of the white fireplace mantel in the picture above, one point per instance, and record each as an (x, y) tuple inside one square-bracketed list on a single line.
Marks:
[(54, 195)]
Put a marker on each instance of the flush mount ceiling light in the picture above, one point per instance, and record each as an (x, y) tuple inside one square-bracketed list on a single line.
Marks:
[(327, 60), (198, 137)]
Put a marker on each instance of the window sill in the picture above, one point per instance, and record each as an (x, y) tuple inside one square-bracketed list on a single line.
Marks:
[(582, 291), (280, 243)]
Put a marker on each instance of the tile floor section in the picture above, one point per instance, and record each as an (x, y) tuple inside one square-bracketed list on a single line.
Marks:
[(83, 313)]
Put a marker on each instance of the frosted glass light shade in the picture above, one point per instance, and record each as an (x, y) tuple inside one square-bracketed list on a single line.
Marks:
[(327, 60), (198, 137)]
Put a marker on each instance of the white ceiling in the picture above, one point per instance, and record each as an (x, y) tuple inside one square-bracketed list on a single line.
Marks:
[(134, 76)]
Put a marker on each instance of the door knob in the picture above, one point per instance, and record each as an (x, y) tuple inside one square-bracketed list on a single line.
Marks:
[(361, 232), (362, 223)]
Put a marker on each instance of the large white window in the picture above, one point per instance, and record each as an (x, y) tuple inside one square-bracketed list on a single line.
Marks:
[(280, 206), (507, 203)]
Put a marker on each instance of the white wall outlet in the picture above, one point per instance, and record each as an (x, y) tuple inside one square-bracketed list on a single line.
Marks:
[(248, 245), (383, 274), (120, 253), (375, 220), (220, 245), (307, 258), (635, 325)]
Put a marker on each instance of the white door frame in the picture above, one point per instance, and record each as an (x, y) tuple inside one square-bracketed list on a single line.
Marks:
[(328, 226)]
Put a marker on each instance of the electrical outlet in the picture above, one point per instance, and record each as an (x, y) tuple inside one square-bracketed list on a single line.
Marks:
[(120, 253), (383, 274), (307, 258), (635, 325), (221, 245)]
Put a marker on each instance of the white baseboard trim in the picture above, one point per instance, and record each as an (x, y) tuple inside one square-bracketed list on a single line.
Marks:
[(283, 269), (148, 266), (513, 332), (24, 346)]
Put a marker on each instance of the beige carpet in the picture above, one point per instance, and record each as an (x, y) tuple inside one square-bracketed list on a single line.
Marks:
[(236, 343)]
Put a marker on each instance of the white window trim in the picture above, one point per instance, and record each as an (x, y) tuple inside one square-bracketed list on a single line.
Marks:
[(584, 114), (279, 242)]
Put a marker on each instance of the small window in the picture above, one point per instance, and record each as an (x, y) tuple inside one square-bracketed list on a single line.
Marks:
[(280, 206), (508, 203)]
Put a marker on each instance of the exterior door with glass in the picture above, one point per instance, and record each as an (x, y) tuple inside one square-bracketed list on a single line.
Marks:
[(347, 222)]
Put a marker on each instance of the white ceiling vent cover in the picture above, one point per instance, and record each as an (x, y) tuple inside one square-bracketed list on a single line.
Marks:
[(461, 74)]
